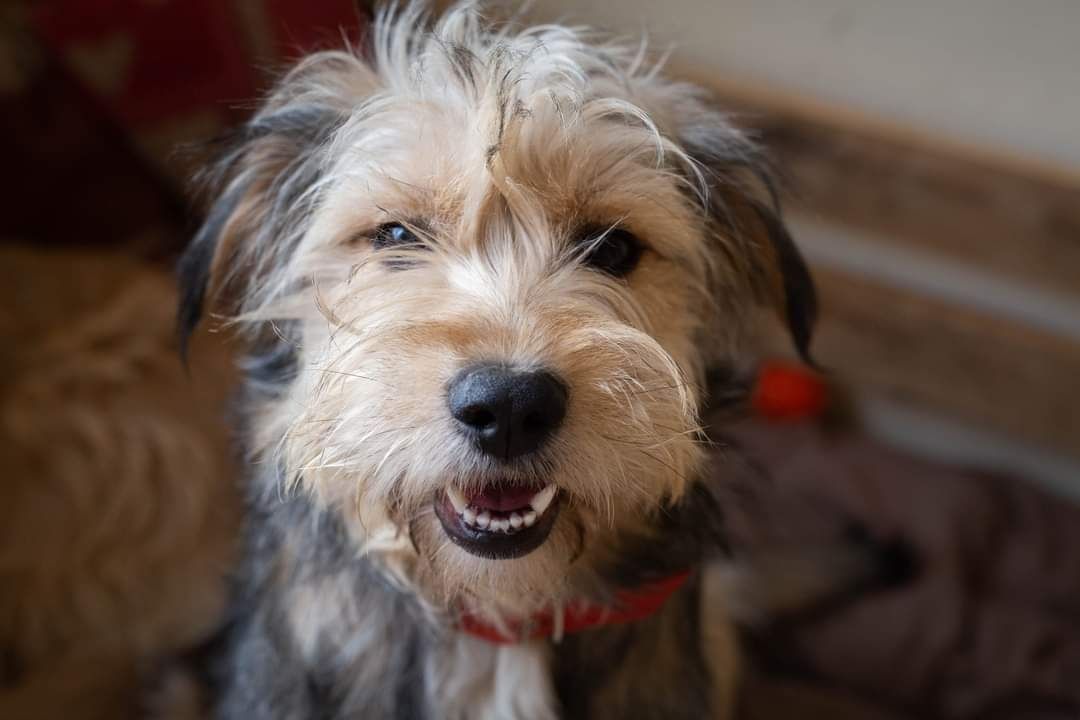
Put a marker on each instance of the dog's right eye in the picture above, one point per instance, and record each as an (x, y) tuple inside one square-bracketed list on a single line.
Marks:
[(614, 251), (393, 235)]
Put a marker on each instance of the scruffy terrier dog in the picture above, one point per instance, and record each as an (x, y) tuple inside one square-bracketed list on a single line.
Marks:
[(485, 276)]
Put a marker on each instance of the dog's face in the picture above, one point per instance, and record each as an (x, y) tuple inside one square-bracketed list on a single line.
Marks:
[(503, 264)]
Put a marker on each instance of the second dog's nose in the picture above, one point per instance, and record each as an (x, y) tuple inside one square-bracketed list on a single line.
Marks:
[(509, 412)]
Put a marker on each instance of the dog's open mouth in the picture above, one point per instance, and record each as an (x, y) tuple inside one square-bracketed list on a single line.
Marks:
[(499, 521)]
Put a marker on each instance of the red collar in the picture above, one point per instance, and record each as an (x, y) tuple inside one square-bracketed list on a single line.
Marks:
[(629, 606)]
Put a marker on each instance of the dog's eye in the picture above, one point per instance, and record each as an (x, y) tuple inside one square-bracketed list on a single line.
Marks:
[(614, 251), (393, 235)]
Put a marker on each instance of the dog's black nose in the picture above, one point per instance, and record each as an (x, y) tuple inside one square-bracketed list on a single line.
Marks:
[(509, 412)]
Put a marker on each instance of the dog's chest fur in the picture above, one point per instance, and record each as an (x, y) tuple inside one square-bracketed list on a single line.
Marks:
[(320, 632)]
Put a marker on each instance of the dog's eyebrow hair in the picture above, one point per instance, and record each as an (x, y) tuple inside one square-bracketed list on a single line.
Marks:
[(398, 181), (410, 220)]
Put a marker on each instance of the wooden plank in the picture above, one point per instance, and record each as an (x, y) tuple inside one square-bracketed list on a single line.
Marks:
[(976, 368), (999, 214)]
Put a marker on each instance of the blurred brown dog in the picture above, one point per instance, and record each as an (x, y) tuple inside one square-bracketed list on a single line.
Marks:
[(118, 508)]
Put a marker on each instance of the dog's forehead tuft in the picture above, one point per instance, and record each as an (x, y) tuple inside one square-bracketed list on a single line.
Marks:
[(464, 110)]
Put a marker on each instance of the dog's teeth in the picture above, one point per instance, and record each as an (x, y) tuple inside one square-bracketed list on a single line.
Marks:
[(542, 499), (457, 499), (483, 519)]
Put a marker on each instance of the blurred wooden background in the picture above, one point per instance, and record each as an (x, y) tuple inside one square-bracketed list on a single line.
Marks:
[(950, 278)]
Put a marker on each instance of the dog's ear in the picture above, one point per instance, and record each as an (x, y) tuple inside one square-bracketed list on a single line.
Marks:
[(744, 210), (778, 274), (261, 187)]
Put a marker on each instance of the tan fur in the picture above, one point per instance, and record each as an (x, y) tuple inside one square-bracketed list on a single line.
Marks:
[(720, 642)]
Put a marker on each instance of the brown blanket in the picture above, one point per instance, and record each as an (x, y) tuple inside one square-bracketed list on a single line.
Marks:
[(988, 628)]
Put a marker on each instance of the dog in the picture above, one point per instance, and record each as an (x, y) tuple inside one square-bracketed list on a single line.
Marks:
[(489, 277)]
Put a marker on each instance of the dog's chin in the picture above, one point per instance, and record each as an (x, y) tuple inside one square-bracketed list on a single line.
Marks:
[(499, 522)]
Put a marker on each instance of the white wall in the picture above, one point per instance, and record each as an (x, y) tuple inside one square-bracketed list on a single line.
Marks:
[(1003, 74)]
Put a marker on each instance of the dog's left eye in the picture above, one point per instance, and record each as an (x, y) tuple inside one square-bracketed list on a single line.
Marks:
[(615, 251), (393, 235)]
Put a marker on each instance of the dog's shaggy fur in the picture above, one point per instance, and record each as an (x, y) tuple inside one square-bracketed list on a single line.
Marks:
[(508, 157)]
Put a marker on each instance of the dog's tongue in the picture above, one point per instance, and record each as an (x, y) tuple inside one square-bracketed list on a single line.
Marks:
[(504, 498)]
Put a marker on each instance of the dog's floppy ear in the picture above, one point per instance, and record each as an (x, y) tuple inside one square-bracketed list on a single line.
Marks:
[(261, 187), (744, 209), (778, 273)]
